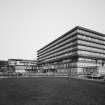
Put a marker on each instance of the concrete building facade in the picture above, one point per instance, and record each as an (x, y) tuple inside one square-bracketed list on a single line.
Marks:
[(22, 65), (80, 51)]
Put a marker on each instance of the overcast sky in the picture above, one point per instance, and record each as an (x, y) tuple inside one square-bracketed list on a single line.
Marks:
[(28, 25)]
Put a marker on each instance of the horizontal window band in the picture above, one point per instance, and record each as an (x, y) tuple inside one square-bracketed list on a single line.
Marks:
[(61, 58), (67, 34), (73, 50), (58, 46), (62, 50), (74, 35), (84, 44), (90, 36), (90, 56), (90, 51)]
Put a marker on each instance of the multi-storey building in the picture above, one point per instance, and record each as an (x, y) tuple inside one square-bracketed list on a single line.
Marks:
[(79, 51), (21, 65)]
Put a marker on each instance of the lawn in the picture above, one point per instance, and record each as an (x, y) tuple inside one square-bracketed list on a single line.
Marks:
[(51, 91)]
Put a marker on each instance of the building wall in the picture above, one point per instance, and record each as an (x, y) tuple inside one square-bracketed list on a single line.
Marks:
[(59, 49), (79, 51), (21, 65), (92, 46)]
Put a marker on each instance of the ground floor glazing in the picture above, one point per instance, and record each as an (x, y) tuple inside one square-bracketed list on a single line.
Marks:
[(75, 67)]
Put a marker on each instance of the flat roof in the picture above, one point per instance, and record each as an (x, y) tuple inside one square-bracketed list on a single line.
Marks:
[(22, 60)]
